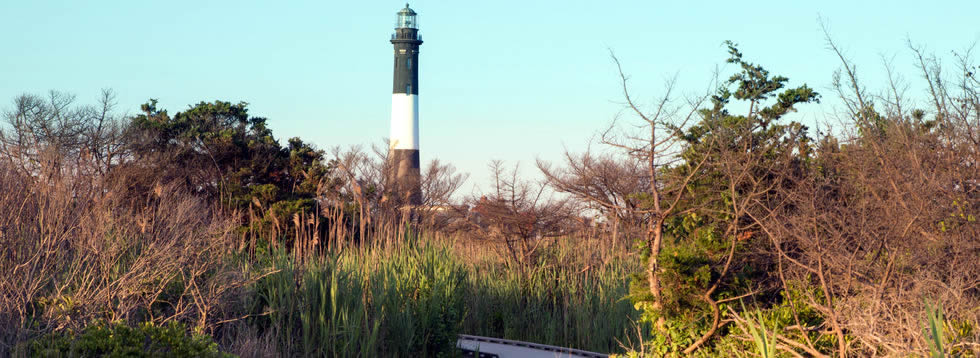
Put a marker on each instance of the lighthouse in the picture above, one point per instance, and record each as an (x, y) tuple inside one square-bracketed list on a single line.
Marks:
[(403, 149)]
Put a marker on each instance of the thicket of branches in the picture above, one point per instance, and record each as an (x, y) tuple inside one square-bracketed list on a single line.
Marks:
[(78, 244), (841, 238)]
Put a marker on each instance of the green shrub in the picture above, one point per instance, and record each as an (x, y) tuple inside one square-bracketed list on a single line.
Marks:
[(120, 340)]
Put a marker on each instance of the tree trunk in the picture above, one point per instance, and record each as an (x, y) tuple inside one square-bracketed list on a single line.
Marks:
[(654, 240), (615, 234)]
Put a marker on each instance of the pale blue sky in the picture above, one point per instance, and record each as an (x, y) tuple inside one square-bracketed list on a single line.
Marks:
[(511, 80)]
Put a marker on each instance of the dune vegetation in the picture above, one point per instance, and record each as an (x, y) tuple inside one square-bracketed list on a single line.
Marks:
[(710, 225)]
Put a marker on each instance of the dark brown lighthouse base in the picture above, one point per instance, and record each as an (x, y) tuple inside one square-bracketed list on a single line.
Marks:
[(405, 177)]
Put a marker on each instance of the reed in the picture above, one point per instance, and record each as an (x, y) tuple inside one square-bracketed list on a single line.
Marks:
[(414, 297), (559, 300), (368, 303)]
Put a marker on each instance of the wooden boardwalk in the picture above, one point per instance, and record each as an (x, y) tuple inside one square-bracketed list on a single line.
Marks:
[(487, 347)]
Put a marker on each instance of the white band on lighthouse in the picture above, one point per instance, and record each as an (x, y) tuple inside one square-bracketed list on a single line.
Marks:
[(404, 121)]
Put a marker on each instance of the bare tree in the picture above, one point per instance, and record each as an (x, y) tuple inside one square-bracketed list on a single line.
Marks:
[(519, 214), (56, 134), (643, 194), (607, 184), (361, 179), (440, 182)]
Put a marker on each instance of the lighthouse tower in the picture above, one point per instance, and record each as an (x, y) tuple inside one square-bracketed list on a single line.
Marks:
[(403, 149)]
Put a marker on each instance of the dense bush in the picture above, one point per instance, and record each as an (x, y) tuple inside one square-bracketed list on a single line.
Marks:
[(836, 238), (120, 340), (72, 255)]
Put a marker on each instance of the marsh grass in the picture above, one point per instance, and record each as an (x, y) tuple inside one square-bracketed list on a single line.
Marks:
[(406, 303), (413, 298), (560, 300)]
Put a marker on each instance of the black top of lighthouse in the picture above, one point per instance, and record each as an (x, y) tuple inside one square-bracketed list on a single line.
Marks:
[(407, 28), (406, 41), (406, 19)]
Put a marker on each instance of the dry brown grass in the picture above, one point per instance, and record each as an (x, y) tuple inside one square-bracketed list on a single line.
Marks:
[(74, 249)]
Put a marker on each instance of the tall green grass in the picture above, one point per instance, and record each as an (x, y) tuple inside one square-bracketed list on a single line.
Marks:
[(764, 342), (558, 301), (413, 300), (936, 337), (407, 303)]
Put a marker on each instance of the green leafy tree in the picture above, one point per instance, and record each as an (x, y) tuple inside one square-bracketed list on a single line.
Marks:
[(217, 150), (730, 158)]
